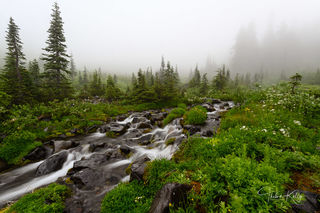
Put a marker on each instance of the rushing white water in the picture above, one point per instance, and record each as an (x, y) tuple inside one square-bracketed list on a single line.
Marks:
[(20, 181), (36, 182)]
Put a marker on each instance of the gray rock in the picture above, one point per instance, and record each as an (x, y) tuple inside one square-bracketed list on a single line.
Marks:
[(114, 127), (138, 168), (192, 129), (145, 139), (174, 193), (208, 107), (3, 166), (144, 125), (215, 101), (60, 145), (88, 179), (39, 153), (53, 163), (311, 203)]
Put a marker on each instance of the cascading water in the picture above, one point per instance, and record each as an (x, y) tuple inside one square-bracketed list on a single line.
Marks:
[(97, 165)]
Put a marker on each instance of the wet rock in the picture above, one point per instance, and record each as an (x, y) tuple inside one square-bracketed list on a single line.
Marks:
[(39, 153), (92, 129), (60, 145), (73, 205), (122, 117), (174, 193), (192, 129), (216, 101), (113, 154), (114, 127), (92, 162), (180, 139), (208, 107), (3, 166), (138, 167), (88, 179), (133, 133), (125, 149), (145, 139), (53, 163), (213, 116), (311, 203), (139, 120), (144, 125), (157, 117), (97, 146), (74, 131)]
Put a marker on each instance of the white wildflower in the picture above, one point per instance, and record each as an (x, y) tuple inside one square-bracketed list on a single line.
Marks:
[(297, 122)]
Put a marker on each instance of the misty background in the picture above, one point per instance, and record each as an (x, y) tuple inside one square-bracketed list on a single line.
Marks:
[(121, 36)]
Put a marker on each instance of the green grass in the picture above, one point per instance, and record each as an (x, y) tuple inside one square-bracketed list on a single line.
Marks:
[(45, 200), (175, 113), (25, 123), (255, 153), (17, 145)]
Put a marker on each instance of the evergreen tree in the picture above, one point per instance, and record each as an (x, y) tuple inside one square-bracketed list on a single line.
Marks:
[(204, 85), (112, 91), (34, 71), (17, 82), (134, 81), (73, 70), (295, 81), (56, 71), (196, 79), (96, 88), (85, 80), (220, 80)]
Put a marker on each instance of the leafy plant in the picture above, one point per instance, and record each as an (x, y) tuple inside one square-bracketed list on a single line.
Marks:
[(196, 115)]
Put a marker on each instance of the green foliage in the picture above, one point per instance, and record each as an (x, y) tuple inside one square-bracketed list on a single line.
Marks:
[(127, 197), (5, 101), (247, 165), (15, 79), (170, 141), (45, 200), (197, 115), (112, 91), (56, 74), (175, 113), (14, 147), (295, 81)]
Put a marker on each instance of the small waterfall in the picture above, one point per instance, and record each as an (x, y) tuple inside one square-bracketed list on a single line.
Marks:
[(101, 154)]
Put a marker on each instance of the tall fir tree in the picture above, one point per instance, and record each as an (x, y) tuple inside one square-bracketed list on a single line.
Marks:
[(56, 73), (17, 82), (204, 87), (73, 69)]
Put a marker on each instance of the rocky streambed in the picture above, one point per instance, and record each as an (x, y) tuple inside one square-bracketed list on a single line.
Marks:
[(94, 164)]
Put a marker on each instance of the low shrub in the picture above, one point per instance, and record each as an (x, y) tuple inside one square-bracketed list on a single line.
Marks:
[(45, 200), (14, 147), (175, 113), (195, 116)]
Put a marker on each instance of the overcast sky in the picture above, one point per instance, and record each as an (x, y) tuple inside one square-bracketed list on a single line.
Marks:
[(123, 35)]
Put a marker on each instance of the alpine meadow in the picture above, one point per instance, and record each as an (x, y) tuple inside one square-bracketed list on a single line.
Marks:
[(159, 106)]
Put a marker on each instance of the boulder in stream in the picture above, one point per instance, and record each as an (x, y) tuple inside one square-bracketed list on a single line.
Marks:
[(39, 153), (88, 179), (114, 128), (138, 167), (53, 163), (174, 193)]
